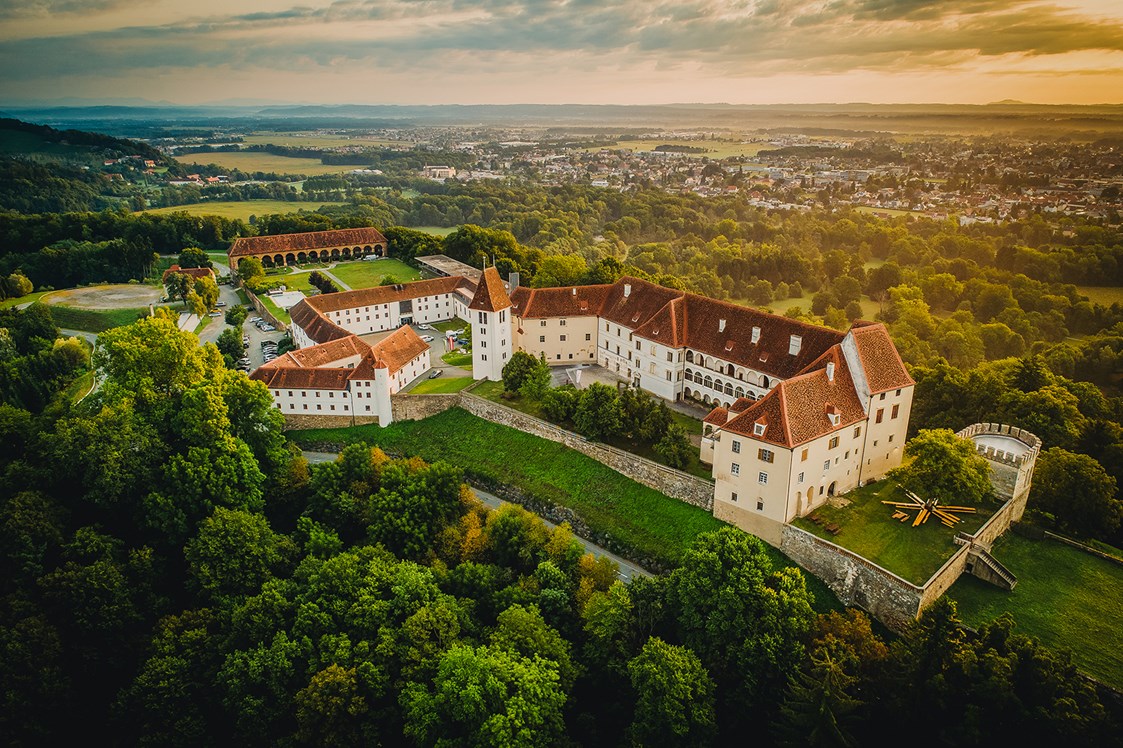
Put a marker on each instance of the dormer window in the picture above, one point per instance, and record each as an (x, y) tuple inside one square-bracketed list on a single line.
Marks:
[(794, 345), (729, 346), (756, 335), (758, 428)]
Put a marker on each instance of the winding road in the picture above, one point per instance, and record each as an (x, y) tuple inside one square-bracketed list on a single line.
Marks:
[(627, 572)]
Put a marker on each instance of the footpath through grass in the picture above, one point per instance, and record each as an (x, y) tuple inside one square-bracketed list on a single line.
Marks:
[(633, 515), (1067, 598)]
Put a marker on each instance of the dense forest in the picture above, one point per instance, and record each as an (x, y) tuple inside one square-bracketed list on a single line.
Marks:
[(174, 573)]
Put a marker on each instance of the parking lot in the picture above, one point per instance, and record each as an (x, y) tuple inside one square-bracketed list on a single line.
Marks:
[(437, 349), (256, 337)]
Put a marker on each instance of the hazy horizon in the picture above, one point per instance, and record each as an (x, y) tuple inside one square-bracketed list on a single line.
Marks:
[(448, 52)]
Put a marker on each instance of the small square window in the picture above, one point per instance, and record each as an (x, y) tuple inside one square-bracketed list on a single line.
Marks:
[(765, 455), (758, 429), (736, 447), (762, 478), (588, 336), (541, 338), (735, 469), (833, 442)]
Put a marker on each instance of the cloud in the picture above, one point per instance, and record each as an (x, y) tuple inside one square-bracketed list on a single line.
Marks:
[(738, 38), (46, 8)]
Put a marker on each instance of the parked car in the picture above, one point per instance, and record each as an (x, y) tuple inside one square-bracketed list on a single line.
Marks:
[(435, 373), (220, 303), (268, 328), (427, 338), (424, 326)]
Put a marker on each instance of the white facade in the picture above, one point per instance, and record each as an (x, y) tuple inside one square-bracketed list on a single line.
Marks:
[(492, 343)]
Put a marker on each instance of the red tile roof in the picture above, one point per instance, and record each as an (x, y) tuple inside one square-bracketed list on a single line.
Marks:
[(880, 359), (311, 240), (797, 410), (193, 272), (335, 302), (325, 354), (279, 377), (571, 301), (398, 349), (490, 295), (315, 325)]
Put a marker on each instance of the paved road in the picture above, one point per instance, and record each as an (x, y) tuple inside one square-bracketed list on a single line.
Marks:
[(627, 571)]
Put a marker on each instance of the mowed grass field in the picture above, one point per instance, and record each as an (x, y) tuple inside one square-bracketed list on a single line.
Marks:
[(654, 525), (252, 161), (1106, 295), (435, 230), (714, 148), (241, 209), (441, 385), (311, 140), (1067, 598), (93, 320), (363, 274)]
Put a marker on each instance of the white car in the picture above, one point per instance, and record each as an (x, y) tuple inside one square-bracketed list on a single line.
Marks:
[(427, 338), (424, 326)]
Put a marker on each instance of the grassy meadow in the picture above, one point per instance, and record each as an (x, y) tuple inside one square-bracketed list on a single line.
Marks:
[(252, 161), (1067, 598), (366, 274), (243, 209)]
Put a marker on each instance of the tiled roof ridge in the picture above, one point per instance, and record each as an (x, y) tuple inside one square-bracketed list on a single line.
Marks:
[(787, 429), (490, 294)]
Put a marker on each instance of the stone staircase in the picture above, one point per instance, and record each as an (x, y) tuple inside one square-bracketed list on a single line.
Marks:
[(986, 567)]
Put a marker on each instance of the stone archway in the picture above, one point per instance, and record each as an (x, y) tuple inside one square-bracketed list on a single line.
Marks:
[(290, 259), (830, 488)]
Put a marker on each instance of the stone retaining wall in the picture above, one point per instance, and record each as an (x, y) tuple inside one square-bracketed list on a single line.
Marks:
[(298, 421), (416, 407), (674, 483), (894, 601), (265, 313)]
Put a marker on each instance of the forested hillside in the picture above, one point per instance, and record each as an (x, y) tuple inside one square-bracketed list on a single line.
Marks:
[(174, 574)]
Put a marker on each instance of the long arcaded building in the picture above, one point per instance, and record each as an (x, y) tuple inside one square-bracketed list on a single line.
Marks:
[(311, 246)]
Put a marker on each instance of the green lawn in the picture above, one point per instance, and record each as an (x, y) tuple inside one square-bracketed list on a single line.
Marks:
[(252, 161), (1105, 295), (94, 320), (654, 525), (31, 297), (79, 388), (1067, 598), (364, 274), (441, 385), (299, 282), (452, 324), (242, 209), (435, 230), (868, 529), (494, 391), (275, 310), (456, 358)]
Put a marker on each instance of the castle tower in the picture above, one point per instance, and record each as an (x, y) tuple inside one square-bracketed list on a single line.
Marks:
[(490, 317)]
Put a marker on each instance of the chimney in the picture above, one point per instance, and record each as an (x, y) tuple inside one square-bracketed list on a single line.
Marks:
[(756, 335), (721, 325), (627, 290), (513, 281), (830, 371), (794, 345)]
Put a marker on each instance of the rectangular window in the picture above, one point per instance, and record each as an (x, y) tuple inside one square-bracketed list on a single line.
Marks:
[(588, 336), (563, 338), (735, 469), (882, 396), (833, 442), (826, 465), (758, 429), (803, 457), (736, 447), (733, 497), (847, 455), (483, 357), (880, 413), (542, 323), (638, 345), (895, 411), (561, 322), (671, 356), (891, 438), (762, 478), (857, 431), (799, 478), (541, 338), (759, 505), (765, 455)]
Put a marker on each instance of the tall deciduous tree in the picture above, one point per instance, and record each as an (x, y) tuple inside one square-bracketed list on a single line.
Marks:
[(598, 413), (674, 697), (944, 467), (1078, 492)]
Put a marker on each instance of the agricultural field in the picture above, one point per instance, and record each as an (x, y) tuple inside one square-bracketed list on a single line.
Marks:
[(716, 149), (311, 140), (252, 161), (635, 516), (1053, 577), (241, 209), (364, 274)]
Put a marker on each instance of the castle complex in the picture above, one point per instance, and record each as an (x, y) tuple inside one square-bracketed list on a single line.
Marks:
[(799, 412)]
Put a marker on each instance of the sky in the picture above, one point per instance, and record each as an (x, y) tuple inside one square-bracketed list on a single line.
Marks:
[(562, 51)]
